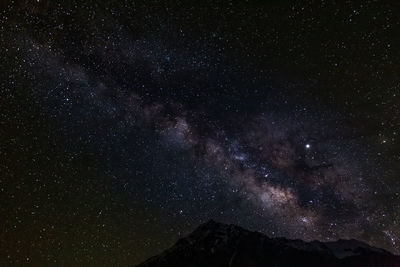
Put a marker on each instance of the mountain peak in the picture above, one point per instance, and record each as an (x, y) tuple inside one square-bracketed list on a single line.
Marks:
[(217, 244), (209, 223)]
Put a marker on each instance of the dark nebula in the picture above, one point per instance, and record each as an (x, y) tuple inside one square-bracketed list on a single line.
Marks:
[(125, 124)]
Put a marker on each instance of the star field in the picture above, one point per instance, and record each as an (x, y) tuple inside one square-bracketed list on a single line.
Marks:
[(125, 124)]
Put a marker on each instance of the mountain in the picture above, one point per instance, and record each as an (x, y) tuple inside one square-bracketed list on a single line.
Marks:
[(217, 244)]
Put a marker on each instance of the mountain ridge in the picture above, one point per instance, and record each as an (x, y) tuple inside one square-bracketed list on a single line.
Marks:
[(217, 244)]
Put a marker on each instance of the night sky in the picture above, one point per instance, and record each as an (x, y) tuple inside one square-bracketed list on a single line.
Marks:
[(126, 124)]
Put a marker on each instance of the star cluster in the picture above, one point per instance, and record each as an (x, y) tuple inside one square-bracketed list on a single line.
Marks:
[(125, 124)]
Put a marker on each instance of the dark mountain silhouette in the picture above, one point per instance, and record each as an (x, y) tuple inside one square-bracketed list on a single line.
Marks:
[(217, 244)]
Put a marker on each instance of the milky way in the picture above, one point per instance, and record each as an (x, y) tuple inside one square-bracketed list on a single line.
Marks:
[(124, 126)]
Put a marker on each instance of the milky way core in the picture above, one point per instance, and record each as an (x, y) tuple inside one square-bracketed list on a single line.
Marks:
[(125, 124)]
